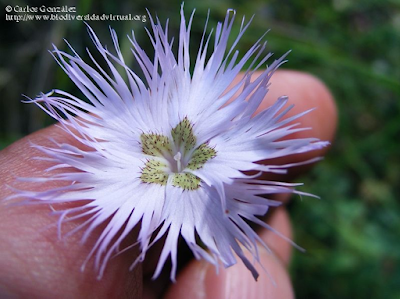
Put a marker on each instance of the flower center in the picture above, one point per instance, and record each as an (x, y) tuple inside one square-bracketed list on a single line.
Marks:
[(175, 158)]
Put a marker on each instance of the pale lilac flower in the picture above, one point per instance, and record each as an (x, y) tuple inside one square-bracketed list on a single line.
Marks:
[(169, 150)]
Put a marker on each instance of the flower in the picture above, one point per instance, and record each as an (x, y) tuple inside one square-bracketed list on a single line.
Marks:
[(169, 152)]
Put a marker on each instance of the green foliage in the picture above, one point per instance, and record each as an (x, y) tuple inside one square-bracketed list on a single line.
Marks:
[(352, 235)]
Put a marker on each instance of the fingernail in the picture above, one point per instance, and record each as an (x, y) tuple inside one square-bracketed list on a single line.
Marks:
[(233, 282), (214, 282), (236, 282)]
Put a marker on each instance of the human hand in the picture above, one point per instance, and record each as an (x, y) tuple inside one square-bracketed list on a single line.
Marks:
[(34, 263)]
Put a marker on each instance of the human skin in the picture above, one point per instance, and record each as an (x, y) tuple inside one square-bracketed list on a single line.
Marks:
[(35, 263)]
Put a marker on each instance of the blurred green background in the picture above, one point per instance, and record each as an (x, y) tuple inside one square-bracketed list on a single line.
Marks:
[(352, 235)]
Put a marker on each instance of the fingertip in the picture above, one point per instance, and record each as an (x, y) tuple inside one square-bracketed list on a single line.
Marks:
[(281, 247), (191, 281), (306, 92), (200, 280)]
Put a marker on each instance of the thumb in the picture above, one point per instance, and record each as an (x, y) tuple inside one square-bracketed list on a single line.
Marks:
[(34, 262)]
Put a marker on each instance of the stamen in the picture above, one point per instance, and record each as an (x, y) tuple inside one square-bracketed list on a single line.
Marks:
[(177, 158), (183, 144)]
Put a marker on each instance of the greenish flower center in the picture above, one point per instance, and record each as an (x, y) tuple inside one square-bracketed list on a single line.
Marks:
[(174, 157)]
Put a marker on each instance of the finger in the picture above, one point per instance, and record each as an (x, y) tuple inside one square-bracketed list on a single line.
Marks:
[(280, 221), (305, 92), (199, 279), (35, 263)]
